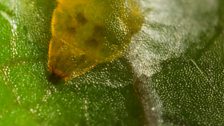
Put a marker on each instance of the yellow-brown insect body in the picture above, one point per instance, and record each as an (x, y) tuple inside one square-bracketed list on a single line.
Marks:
[(88, 32)]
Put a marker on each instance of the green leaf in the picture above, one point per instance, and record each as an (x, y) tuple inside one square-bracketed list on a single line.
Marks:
[(171, 75), (104, 96)]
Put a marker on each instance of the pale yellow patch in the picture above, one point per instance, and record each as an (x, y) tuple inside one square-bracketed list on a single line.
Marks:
[(89, 32)]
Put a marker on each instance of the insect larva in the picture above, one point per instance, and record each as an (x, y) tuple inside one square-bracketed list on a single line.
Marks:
[(89, 32)]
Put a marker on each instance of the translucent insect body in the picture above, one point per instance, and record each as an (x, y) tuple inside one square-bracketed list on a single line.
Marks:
[(88, 32)]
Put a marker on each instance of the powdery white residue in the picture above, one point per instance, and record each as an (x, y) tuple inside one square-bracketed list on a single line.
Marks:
[(170, 28)]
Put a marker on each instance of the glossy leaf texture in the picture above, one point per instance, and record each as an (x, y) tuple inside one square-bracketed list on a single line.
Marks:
[(171, 75)]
